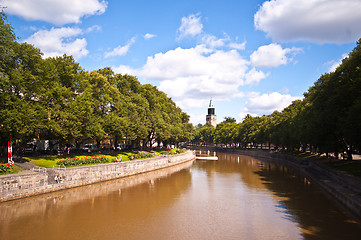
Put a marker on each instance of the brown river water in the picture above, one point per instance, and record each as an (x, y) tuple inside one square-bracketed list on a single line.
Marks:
[(236, 197)]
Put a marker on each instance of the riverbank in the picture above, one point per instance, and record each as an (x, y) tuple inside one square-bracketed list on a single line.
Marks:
[(343, 188), (29, 183)]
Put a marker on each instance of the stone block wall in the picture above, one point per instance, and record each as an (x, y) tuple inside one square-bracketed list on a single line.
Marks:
[(27, 184)]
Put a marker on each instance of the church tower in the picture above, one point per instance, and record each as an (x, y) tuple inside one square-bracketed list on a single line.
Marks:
[(211, 117)]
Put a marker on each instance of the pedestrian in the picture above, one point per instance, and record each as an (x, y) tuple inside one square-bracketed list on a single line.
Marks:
[(56, 179), (61, 180)]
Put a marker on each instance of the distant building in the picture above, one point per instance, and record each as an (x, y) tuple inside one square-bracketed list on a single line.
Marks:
[(211, 117)]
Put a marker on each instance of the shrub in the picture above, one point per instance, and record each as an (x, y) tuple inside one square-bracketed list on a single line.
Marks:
[(5, 168)]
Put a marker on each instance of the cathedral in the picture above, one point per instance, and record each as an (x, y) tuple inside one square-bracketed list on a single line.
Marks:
[(211, 117)]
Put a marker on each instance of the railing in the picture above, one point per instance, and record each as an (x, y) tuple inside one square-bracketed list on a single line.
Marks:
[(39, 169), (60, 166)]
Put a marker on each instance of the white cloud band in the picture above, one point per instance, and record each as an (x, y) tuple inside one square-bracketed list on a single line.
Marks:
[(59, 41), (319, 21), (58, 12)]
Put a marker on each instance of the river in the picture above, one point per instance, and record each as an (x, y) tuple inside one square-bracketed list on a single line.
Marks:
[(236, 197)]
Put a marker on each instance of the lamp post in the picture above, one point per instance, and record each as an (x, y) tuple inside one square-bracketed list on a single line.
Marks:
[(10, 152)]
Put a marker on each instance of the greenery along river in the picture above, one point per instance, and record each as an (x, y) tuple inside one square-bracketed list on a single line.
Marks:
[(236, 197)]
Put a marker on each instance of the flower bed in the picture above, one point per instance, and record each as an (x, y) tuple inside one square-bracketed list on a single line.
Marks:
[(166, 152), (172, 152), (5, 168), (78, 161), (140, 155)]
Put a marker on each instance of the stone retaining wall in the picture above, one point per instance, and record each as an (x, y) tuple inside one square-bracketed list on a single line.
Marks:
[(40, 204), (21, 185)]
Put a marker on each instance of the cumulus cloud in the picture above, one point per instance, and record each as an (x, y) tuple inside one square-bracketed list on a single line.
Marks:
[(189, 75), (59, 41), (125, 69), (149, 36), (120, 50), (213, 68), (253, 76), (267, 103), (272, 55), (212, 41), (319, 21), (58, 12), (199, 65), (190, 26)]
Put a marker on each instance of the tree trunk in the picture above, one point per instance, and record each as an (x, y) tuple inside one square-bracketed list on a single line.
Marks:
[(349, 153)]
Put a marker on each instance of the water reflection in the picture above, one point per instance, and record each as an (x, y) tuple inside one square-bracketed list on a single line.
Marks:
[(317, 215), (94, 211), (236, 197)]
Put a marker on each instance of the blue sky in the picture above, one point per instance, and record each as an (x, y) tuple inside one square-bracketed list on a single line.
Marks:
[(250, 57)]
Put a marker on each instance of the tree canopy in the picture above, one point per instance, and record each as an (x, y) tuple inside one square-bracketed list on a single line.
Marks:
[(54, 98), (327, 120)]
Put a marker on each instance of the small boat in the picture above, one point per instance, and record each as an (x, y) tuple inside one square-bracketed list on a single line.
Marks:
[(207, 158)]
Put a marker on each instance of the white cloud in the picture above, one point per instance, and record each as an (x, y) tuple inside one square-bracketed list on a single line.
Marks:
[(272, 55), (124, 69), (120, 50), (193, 103), (197, 71), (254, 76), (58, 12), (189, 75), (191, 26), (212, 41), (319, 21), (238, 46), (197, 118), (267, 103), (94, 28), (149, 36), (335, 64), (59, 41)]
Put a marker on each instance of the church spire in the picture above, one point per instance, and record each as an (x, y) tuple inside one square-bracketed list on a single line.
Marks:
[(211, 117)]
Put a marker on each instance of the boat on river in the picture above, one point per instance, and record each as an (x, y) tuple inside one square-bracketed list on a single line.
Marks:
[(207, 158)]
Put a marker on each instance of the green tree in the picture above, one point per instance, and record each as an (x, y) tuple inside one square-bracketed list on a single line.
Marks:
[(207, 133), (224, 131)]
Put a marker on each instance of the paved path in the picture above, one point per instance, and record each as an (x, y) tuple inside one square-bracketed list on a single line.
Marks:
[(24, 164)]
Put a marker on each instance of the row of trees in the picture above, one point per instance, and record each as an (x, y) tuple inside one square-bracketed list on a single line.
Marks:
[(327, 119), (56, 99)]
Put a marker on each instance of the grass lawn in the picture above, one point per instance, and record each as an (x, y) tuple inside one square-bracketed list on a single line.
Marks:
[(351, 167), (16, 169), (47, 162)]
